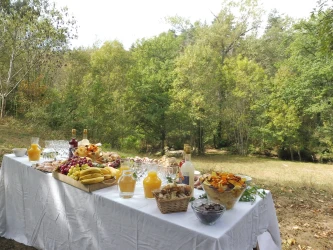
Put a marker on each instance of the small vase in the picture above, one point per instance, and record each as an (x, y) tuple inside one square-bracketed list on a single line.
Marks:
[(126, 184), (150, 183)]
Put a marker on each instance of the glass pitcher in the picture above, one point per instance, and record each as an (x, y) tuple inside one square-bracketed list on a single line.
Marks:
[(150, 183), (34, 151), (126, 184)]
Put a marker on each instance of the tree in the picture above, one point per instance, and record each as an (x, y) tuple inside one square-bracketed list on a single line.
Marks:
[(245, 87), (199, 68), (270, 48), (105, 87), (32, 31), (300, 110), (150, 83), (324, 13)]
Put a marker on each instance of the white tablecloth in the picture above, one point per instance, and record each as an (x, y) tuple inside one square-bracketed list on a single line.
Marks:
[(40, 211)]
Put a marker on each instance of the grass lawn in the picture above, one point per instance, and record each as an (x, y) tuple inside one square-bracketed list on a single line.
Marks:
[(302, 192)]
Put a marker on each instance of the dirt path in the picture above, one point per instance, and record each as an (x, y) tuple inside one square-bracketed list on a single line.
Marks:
[(305, 218), (6, 244)]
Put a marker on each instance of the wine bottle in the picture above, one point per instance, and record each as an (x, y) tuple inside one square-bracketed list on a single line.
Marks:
[(73, 143), (84, 141), (187, 169)]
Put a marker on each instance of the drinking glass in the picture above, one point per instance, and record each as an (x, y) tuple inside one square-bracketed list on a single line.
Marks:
[(49, 153), (171, 172), (162, 173), (64, 149)]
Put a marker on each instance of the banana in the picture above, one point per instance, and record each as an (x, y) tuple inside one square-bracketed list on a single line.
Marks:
[(92, 180), (89, 176), (105, 171), (90, 171), (107, 176), (113, 171)]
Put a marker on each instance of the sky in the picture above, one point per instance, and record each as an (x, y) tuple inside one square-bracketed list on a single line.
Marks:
[(129, 20)]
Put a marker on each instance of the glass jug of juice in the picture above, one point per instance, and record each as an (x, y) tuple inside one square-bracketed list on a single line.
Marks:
[(150, 183), (126, 184), (34, 150)]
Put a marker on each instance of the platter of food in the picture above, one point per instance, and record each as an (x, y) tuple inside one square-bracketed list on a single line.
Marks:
[(47, 166), (80, 173)]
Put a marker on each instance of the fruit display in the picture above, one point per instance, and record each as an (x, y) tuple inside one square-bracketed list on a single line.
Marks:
[(91, 176), (76, 161), (92, 151), (114, 164)]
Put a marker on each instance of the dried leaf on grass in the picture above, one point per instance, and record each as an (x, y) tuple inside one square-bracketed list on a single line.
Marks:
[(290, 241)]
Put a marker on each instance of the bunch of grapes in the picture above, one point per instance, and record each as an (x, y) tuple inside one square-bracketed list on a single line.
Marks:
[(74, 171), (75, 161), (115, 164)]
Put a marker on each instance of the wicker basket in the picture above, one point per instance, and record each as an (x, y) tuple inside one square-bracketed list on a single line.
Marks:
[(171, 206)]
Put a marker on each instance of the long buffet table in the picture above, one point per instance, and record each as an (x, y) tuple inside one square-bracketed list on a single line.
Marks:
[(40, 211)]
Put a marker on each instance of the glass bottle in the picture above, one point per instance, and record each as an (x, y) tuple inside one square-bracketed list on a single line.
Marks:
[(84, 141), (187, 169), (126, 184), (180, 176), (34, 151), (73, 144), (150, 183)]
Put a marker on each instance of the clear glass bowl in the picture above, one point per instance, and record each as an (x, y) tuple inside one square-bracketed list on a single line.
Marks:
[(207, 212), (227, 198)]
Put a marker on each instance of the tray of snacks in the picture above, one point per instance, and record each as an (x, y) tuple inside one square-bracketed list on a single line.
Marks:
[(47, 166), (80, 173), (173, 198)]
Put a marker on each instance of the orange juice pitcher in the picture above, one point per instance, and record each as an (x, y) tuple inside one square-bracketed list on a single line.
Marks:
[(34, 151), (126, 184), (151, 182)]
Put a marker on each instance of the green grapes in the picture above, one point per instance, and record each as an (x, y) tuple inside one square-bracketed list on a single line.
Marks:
[(74, 171)]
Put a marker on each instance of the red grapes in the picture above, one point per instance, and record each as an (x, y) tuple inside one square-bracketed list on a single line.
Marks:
[(76, 160)]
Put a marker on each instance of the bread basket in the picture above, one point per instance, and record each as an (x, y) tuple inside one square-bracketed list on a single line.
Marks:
[(178, 200)]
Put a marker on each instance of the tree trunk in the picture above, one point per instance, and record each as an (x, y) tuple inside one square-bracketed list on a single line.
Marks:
[(219, 135), (200, 144), (163, 141), (299, 155), (3, 106), (291, 154)]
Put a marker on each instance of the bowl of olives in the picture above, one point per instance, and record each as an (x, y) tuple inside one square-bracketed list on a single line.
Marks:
[(207, 212)]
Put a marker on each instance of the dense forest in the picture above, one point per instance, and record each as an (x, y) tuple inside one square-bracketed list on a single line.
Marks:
[(250, 85)]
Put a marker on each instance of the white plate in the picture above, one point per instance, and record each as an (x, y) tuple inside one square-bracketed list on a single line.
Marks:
[(248, 178)]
